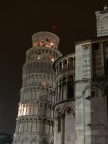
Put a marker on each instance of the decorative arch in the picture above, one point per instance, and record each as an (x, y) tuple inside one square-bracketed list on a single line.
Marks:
[(69, 123), (66, 107), (92, 87), (93, 105), (43, 141), (52, 141)]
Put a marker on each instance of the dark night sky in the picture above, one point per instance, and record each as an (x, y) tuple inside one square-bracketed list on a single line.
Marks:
[(19, 20)]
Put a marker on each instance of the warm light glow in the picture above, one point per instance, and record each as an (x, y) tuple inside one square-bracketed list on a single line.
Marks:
[(51, 44), (41, 43), (24, 111), (47, 45), (52, 59), (43, 83), (34, 44), (38, 57)]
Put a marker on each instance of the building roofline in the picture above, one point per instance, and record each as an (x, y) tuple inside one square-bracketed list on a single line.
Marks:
[(93, 40), (63, 57)]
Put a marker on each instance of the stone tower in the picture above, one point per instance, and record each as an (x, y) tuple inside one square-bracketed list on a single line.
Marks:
[(35, 114), (64, 116), (102, 22)]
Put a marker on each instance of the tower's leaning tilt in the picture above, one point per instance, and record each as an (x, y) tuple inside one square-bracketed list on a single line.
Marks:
[(35, 114)]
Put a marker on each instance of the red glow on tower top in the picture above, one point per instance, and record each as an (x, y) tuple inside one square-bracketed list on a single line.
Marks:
[(53, 28)]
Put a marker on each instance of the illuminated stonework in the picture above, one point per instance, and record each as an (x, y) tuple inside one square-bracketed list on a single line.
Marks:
[(91, 97), (68, 105), (102, 22), (81, 100), (64, 100), (35, 114), (48, 39)]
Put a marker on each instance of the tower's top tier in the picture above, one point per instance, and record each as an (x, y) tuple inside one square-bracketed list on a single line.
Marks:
[(102, 22), (46, 39)]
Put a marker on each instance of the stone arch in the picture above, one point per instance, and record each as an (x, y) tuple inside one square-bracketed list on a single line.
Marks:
[(70, 62), (69, 123), (92, 87), (57, 109), (68, 106), (65, 64), (52, 141), (93, 107), (43, 141)]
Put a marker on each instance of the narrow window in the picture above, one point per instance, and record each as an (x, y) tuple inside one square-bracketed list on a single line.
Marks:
[(107, 64), (59, 123), (106, 93), (95, 46), (70, 87), (93, 93)]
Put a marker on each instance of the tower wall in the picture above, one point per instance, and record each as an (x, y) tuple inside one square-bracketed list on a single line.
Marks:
[(35, 114)]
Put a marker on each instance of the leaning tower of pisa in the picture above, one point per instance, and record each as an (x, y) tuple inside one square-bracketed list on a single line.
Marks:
[(34, 123)]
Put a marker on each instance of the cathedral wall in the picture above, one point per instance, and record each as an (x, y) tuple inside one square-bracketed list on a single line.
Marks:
[(82, 80), (64, 123), (90, 102)]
